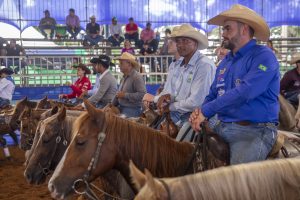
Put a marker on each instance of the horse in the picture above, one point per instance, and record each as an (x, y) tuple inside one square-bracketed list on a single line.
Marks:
[(288, 120), (276, 180), (124, 140)]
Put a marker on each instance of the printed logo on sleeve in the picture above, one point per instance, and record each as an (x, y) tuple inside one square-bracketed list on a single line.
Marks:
[(262, 67)]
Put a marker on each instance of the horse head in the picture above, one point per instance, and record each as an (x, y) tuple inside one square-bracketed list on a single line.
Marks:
[(81, 153), (50, 142), (44, 103)]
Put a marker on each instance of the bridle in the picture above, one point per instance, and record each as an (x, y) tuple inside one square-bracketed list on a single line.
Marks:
[(59, 139), (92, 166), (166, 187), (29, 136)]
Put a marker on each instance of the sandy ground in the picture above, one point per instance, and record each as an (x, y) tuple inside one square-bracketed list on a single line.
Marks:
[(13, 185)]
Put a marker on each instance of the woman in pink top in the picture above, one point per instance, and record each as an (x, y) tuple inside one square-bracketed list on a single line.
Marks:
[(127, 48)]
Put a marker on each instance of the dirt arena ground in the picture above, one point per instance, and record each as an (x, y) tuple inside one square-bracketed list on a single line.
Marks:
[(13, 185)]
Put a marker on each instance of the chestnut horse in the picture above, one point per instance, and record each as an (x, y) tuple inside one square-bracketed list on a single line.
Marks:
[(275, 179), (124, 140)]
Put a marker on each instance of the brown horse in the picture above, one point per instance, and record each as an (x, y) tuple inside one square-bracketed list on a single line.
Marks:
[(124, 140), (287, 116), (276, 180)]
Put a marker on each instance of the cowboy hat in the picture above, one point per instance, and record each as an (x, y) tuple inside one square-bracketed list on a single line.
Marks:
[(7, 71), (245, 15), (83, 67), (104, 60), (295, 58), (131, 58), (186, 30)]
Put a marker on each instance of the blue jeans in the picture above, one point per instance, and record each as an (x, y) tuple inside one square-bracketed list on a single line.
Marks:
[(115, 42), (43, 27), (179, 118), (4, 102), (247, 143), (132, 37), (93, 41), (74, 32), (130, 111)]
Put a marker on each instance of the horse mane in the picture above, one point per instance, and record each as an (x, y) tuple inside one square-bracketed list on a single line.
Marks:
[(273, 179), (25, 102), (148, 148)]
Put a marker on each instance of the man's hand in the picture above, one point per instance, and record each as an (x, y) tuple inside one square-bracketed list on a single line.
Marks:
[(120, 94), (147, 99), (84, 92), (163, 103), (61, 96), (196, 119)]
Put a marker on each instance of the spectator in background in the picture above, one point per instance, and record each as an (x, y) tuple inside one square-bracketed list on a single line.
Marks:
[(148, 36), (92, 33), (47, 23), (14, 49), (7, 87), (290, 83), (164, 48), (221, 52), (132, 31), (81, 85), (3, 44), (127, 47), (270, 45), (115, 31), (73, 23)]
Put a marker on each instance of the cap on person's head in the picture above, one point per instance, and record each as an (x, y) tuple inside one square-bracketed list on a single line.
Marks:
[(131, 58), (130, 19), (84, 68), (46, 11), (71, 10), (186, 30), (104, 60), (93, 17), (247, 16), (295, 58), (114, 19), (148, 24), (7, 71)]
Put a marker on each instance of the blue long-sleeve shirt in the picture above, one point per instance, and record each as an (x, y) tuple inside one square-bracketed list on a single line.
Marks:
[(188, 85), (246, 87)]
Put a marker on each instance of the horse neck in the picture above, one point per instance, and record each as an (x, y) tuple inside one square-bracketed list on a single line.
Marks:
[(287, 114), (149, 148), (67, 125)]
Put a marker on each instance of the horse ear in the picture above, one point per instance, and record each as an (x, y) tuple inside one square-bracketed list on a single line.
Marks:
[(54, 110), (62, 114), (91, 109), (151, 184), (138, 178)]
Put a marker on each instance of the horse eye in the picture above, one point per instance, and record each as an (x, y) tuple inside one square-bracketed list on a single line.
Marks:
[(80, 141)]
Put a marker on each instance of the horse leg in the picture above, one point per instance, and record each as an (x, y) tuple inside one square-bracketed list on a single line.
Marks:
[(5, 148)]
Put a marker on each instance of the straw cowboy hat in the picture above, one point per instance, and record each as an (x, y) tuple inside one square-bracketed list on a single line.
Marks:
[(186, 30), (245, 15), (295, 58), (131, 58)]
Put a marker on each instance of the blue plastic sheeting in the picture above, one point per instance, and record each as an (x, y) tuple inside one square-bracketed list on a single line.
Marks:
[(35, 93), (25, 13)]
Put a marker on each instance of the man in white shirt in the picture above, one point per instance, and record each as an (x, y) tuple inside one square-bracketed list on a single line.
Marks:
[(7, 87), (115, 31)]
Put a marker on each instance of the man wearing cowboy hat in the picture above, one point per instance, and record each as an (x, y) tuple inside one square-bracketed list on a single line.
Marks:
[(7, 87), (189, 77), (245, 91), (73, 23), (92, 32), (290, 83), (132, 87), (105, 87)]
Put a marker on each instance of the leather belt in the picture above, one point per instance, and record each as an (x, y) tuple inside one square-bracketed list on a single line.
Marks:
[(244, 123), (247, 123)]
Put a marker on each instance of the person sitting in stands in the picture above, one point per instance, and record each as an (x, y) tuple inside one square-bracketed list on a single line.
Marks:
[(14, 49), (93, 32), (270, 45), (7, 87), (164, 48), (290, 83), (132, 31), (221, 52), (127, 47), (81, 85), (47, 23), (148, 36), (73, 23), (132, 87), (115, 31), (108, 83)]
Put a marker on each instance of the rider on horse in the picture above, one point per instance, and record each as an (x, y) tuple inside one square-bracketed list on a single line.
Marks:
[(245, 91), (7, 87), (189, 77)]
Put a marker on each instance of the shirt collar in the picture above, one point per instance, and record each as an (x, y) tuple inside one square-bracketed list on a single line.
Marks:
[(193, 59), (242, 51), (103, 74)]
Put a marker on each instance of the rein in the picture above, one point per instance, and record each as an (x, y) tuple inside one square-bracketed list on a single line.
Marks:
[(166, 187)]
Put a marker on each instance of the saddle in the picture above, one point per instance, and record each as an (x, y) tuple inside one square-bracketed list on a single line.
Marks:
[(169, 127)]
